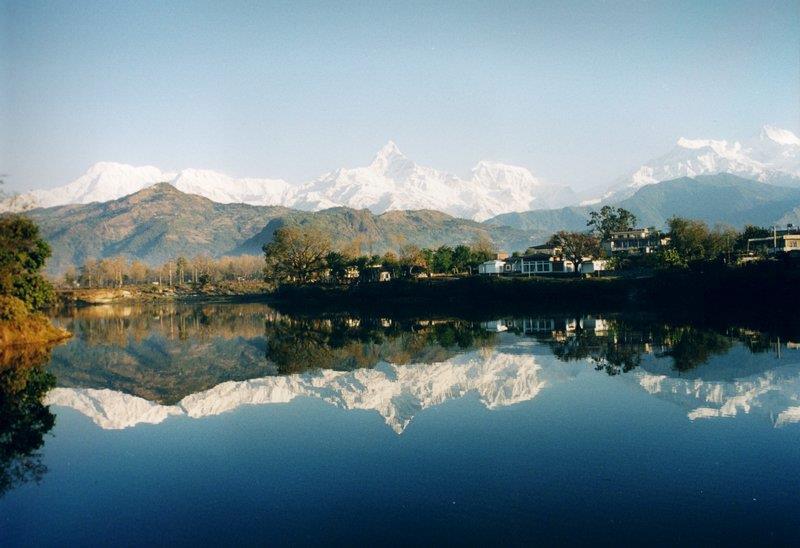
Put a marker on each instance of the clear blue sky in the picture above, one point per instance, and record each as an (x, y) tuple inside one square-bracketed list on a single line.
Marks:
[(579, 92)]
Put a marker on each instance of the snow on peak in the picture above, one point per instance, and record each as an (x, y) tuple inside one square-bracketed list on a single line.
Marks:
[(723, 148), (490, 172), (391, 181), (396, 392), (773, 156), (780, 136)]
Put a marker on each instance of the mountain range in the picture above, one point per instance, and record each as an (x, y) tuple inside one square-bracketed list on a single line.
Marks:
[(500, 377), (773, 156), (160, 222), (721, 198), (392, 181)]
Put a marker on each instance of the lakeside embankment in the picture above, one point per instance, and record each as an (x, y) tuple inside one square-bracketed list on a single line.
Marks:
[(19, 326), (767, 293), (770, 291), (132, 293)]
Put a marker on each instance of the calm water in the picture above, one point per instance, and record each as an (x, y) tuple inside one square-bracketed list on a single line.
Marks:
[(185, 424)]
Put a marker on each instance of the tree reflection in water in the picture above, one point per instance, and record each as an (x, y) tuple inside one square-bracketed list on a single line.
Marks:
[(344, 343), (24, 419), (616, 345)]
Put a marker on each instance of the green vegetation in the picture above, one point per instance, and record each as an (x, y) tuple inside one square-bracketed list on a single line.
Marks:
[(22, 256), (302, 255), (24, 419), (610, 219), (160, 223), (23, 290)]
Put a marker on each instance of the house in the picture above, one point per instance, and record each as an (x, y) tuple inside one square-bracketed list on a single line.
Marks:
[(781, 241), (592, 266), (634, 241), (495, 266), (540, 263), (375, 273)]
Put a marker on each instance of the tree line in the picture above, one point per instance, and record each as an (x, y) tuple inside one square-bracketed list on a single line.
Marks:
[(688, 241), (301, 255), (200, 270)]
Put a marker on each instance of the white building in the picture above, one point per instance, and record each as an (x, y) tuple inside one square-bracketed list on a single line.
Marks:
[(492, 267), (592, 266)]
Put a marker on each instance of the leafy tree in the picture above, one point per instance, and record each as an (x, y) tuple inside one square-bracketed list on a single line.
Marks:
[(296, 254), (610, 219), (24, 419), (576, 246), (462, 256), (693, 241), (22, 256), (750, 231), (443, 259), (337, 263), (689, 238)]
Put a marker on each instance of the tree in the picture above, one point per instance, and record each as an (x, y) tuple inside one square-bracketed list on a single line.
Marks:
[(462, 256), (576, 246), (413, 259), (22, 256), (296, 254), (483, 248), (338, 264), (443, 259), (610, 219), (749, 232), (181, 264), (137, 272)]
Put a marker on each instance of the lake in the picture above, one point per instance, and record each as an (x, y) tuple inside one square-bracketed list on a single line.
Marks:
[(236, 424)]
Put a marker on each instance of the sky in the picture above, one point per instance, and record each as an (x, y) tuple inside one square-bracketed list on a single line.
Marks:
[(578, 92)]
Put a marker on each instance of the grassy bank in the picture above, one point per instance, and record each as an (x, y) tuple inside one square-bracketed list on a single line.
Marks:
[(134, 293), (20, 327)]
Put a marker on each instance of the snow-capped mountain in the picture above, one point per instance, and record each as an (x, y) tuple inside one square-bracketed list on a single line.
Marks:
[(391, 182), (396, 392), (773, 156), (108, 181)]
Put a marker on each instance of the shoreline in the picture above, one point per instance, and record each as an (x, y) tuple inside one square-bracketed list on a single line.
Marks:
[(767, 294)]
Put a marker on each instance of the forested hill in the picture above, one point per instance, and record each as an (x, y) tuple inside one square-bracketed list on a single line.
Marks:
[(721, 198), (161, 222)]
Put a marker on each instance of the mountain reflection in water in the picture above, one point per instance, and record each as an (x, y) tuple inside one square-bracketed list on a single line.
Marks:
[(143, 364)]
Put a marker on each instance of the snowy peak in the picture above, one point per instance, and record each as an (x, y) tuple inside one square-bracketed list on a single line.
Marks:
[(488, 172), (773, 156), (722, 148), (391, 181), (388, 154), (780, 136)]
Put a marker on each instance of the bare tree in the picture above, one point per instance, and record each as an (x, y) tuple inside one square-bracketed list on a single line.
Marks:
[(296, 254)]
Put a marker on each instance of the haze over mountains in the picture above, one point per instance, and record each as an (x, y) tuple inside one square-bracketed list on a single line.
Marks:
[(123, 210), (392, 181)]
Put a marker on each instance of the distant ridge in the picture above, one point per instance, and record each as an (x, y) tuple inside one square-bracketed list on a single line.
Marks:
[(721, 198), (390, 182), (160, 222)]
